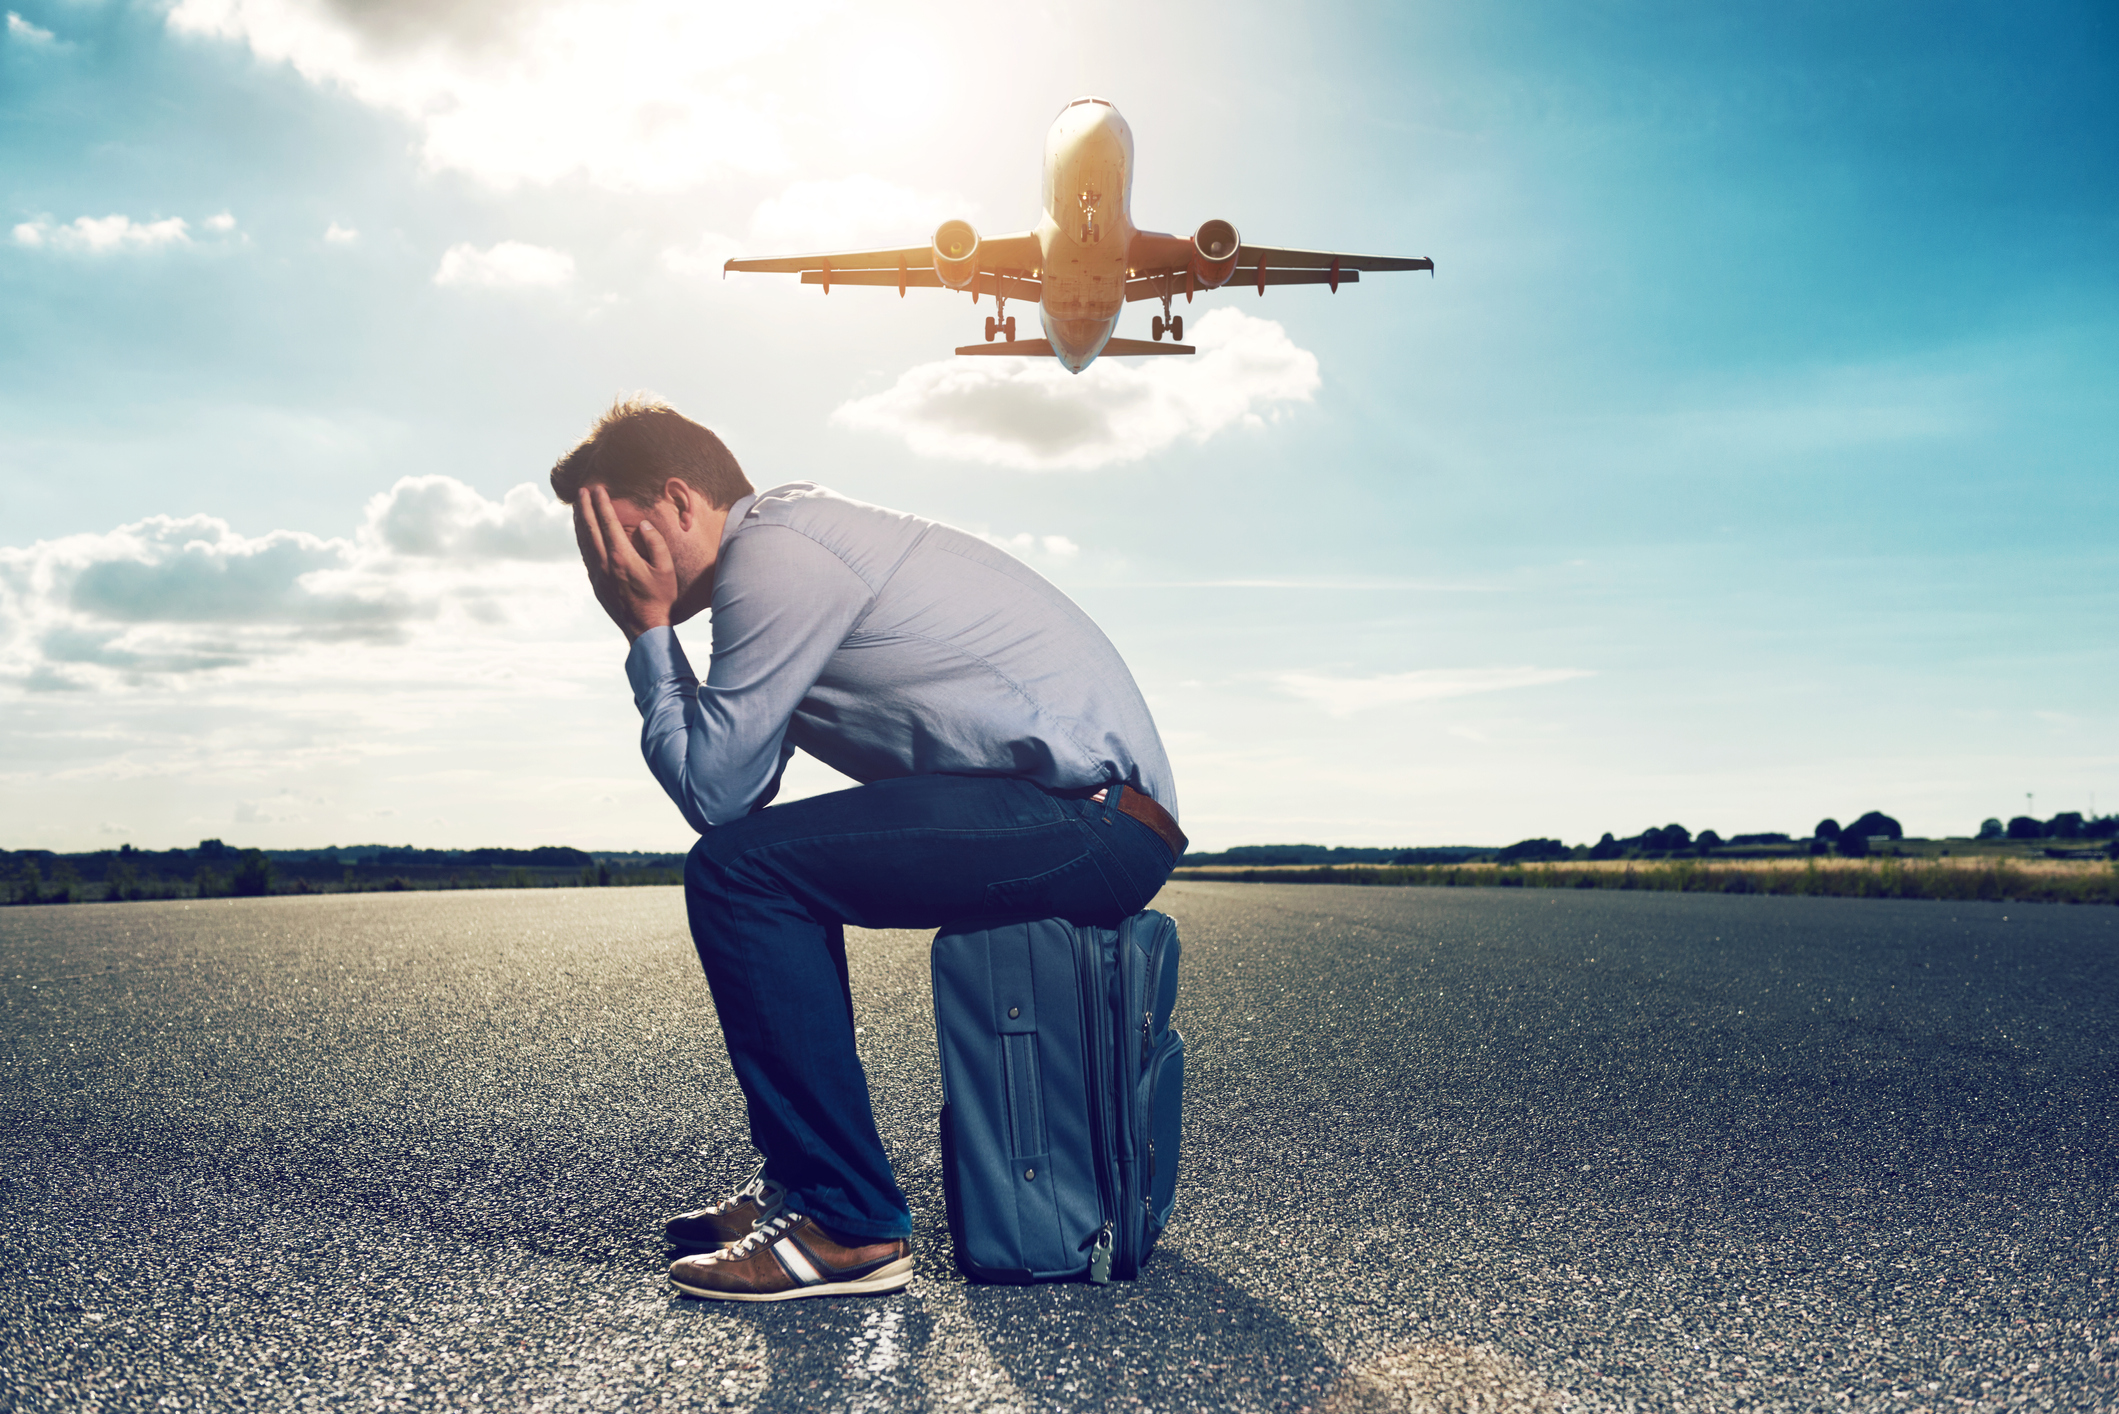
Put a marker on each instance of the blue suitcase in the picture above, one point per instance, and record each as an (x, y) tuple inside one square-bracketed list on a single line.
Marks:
[(1062, 1090)]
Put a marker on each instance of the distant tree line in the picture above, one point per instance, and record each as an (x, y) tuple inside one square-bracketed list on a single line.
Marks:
[(217, 870), (1854, 840)]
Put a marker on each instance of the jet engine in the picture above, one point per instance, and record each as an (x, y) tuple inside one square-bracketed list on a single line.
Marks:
[(956, 254), (1214, 249)]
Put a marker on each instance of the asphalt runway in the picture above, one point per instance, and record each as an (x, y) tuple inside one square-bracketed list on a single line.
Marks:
[(1444, 1150)]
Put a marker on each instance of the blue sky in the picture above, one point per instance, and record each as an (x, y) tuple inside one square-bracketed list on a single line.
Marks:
[(1749, 459)]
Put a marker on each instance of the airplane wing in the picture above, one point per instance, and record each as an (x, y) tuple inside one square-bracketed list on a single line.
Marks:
[(912, 257), (1254, 257), (916, 279), (1006, 264), (1159, 263), (1152, 288)]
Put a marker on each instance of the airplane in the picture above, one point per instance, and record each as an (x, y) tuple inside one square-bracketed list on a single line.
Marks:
[(1085, 260)]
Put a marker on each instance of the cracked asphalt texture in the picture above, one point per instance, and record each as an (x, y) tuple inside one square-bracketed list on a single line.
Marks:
[(1477, 1149)]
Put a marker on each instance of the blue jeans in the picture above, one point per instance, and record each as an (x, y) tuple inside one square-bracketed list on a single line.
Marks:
[(769, 897)]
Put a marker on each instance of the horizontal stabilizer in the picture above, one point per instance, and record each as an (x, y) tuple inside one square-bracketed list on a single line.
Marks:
[(1127, 348), (1018, 348)]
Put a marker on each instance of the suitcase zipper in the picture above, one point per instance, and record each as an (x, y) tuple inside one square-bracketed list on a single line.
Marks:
[(1096, 1034)]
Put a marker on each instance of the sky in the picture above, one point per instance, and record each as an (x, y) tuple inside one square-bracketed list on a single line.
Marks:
[(1749, 458)]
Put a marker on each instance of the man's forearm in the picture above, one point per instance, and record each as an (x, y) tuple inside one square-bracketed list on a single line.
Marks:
[(703, 758)]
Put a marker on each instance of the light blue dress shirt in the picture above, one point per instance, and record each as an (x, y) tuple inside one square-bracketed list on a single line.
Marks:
[(884, 645)]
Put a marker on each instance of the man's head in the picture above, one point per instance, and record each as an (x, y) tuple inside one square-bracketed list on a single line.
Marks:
[(649, 478), (636, 448)]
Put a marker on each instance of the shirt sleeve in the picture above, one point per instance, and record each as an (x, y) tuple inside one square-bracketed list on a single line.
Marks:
[(782, 606)]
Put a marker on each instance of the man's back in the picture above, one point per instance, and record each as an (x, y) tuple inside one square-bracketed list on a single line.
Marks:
[(962, 659), (885, 646)]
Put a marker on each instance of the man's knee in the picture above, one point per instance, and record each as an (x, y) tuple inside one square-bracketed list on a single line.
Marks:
[(723, 875), (706, 895), (703, 871)]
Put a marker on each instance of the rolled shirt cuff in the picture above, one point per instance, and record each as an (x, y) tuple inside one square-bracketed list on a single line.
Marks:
[(655, 663)]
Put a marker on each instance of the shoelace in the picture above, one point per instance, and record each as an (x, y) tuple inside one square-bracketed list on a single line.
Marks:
[(757, 1188), (764, 1234)]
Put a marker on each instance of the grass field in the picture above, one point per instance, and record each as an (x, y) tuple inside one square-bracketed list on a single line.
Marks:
[(1986, 876)]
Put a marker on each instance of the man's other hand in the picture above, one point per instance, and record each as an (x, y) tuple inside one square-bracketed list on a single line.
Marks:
[(630, 566)]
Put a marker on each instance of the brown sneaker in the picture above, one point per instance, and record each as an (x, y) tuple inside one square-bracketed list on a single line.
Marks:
[(731, 1219), (789, 1256)]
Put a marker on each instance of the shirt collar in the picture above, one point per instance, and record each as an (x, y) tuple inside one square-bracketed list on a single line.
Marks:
[(736, 513)]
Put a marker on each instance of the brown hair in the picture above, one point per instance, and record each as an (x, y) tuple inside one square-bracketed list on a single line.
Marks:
[(636, 447)]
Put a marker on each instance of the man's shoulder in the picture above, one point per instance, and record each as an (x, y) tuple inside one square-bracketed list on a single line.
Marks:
[(868, 539), (801, 505), (874, 541)]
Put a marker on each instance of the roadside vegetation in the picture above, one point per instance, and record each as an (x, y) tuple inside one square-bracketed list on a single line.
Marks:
[(215, 870), (2071, 858), (1956, 877)]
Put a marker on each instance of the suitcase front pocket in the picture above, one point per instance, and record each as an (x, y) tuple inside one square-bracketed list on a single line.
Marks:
[(1162, 1102)]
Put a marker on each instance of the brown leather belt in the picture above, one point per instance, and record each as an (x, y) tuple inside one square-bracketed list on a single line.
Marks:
[(1145, 810)]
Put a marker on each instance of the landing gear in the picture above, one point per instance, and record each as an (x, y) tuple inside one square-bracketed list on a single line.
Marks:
[(1166, 322), (1002, 323)]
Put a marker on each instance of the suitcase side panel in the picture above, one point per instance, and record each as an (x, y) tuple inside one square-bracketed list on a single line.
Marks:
[(1014, 1115)]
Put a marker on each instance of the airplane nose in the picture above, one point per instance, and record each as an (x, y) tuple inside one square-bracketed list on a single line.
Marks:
[(1077, 342)]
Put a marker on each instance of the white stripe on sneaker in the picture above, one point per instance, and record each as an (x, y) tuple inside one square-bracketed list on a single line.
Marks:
[(797, 1262)]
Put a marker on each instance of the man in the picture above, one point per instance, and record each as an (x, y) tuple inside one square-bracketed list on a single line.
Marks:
[(1011, 772)]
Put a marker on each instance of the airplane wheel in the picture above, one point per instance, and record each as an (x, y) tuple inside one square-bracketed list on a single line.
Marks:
[(989, 328), (1177, 327), (1008, 329), (1155, 328)]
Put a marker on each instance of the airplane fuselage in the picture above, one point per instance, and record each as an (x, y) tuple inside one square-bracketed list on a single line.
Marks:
[(1087, 229)]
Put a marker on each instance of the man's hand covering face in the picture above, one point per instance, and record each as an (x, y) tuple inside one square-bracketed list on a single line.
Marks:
[(630, 566)]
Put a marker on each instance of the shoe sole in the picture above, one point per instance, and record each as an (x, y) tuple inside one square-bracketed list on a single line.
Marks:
[(888, 1278)]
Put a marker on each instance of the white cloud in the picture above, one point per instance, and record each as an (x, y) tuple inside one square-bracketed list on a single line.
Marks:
[(441, 658), (223, 222), (510, 264), (335, 234), (1342, 697), (170, 596), (653, 95), (22, 30), (438, 517), (1033, 414), (100, 235)]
